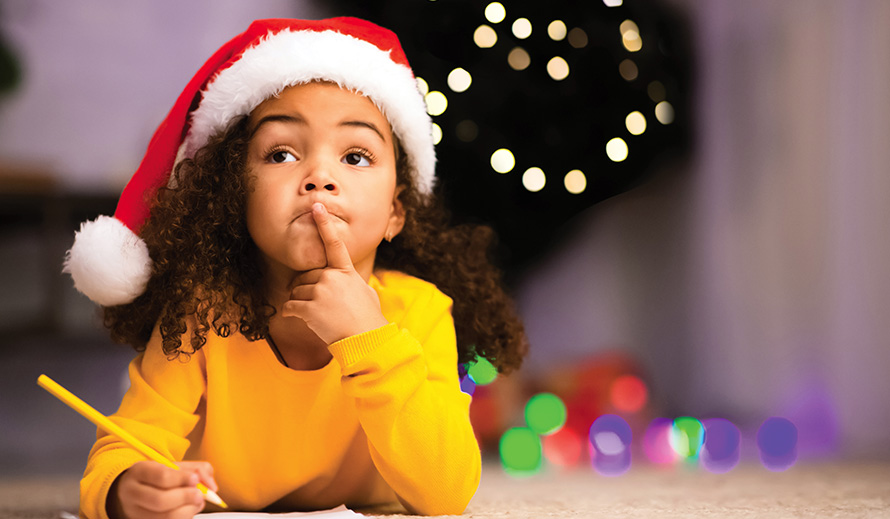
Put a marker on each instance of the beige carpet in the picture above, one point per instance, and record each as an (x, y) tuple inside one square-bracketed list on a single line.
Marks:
[(836, 490)]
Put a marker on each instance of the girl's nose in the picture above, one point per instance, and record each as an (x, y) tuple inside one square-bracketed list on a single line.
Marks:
[(319, 180), (311, 186)]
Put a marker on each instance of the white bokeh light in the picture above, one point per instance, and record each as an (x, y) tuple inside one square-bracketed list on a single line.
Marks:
[(616, 149), (534, 179), (459, 80), (635, 122), (503, 161), (495, 12), (558, 68), (436, 103), (522, 28)]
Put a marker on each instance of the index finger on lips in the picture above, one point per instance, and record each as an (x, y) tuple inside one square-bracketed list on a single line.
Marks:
[(335, 248)]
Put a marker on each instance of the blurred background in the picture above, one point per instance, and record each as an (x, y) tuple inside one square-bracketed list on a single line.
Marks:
[(691, 199)]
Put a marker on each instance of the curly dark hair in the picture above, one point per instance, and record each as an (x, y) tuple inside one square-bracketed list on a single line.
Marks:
[(205, 264)]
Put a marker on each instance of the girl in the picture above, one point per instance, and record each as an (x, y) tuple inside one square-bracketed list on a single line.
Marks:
[(281, 263)]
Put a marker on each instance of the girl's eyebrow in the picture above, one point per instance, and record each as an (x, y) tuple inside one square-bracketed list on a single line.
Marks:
[(284, 118), (365, 124)]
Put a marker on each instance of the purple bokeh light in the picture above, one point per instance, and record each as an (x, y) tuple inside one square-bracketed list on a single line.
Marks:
[(721, 450), (777, 442), (610, 439)]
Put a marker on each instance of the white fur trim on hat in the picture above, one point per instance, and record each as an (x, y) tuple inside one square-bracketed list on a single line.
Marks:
[(290, 58), (108, 262)]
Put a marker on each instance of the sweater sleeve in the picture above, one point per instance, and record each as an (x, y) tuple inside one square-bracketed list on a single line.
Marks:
[(408, 398), (159, 408)]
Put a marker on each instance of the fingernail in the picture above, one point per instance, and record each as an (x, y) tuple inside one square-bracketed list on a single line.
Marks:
[(318, 206), (193, 479)]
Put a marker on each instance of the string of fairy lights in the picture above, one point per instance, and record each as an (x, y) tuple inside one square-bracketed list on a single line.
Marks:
[(485, 36)]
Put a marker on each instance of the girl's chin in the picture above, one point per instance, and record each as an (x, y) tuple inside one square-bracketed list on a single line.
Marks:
[(308, 260)]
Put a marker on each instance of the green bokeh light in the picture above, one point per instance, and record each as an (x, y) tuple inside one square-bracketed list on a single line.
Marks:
[(521, 451), (687, 437), (482, 372), (545, 413)]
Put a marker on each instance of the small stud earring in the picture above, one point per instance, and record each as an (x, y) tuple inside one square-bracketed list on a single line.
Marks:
[(388, 236)]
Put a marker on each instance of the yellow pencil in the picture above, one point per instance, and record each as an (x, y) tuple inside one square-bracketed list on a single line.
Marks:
[(110, 427)]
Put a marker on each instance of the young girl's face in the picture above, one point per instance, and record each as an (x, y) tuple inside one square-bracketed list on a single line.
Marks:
[(320, 143)]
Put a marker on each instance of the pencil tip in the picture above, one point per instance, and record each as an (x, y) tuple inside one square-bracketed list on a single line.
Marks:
[(214, 498)]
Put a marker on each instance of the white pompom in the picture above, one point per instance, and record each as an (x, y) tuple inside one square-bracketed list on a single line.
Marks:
[(108, 262)]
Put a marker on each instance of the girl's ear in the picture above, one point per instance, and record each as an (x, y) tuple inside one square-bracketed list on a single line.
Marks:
[(396, 215)]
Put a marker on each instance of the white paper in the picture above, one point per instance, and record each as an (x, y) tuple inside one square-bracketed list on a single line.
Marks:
[(341, 512)]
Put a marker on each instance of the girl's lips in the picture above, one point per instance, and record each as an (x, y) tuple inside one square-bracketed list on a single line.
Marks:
[(308, 214)]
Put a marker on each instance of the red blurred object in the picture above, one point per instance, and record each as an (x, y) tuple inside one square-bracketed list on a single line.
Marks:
[(564, 447), (628, 393)]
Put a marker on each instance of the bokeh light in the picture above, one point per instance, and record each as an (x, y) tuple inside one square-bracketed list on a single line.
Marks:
[(630, 36), (616, 149), (485, 37), (563, 448), (422, 85), (613, 3), (521, 451), (436, 103), (664, 112), (628, 70), (636, 123), (534, 179), (459, 80), (610, 438), (467, 385), (656, 91), (437, 133), (557, 30), (628, 393), (720, 452), (777, 442), (522, 28), (575, 181), (657, 442), (482, 371), (495, 12), (578, 38), (466, 130), (545, 413), (503, 161), (687, 437), (558, 68), (518, 59)]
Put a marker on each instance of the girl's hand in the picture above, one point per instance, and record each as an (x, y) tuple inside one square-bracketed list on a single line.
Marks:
[(334, 301), (149, 489)]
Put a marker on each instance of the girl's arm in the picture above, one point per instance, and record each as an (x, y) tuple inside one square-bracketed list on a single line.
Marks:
[(158, 408), (405, 383)]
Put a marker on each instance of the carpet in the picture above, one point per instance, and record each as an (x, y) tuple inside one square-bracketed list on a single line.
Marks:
[(835, 489)]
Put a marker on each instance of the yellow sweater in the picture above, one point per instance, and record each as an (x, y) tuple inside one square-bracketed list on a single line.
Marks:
[(385, 420)]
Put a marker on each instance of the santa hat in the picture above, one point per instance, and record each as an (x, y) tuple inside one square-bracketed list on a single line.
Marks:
[(110, 263)]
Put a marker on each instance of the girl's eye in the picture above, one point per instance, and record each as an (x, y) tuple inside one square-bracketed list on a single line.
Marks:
[(281, 156), (356, 159)]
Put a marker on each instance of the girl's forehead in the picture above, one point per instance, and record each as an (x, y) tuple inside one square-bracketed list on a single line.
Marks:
[(327, 95)]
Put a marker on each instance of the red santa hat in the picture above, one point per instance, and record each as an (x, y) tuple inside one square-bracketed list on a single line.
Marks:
[(110, 263)]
